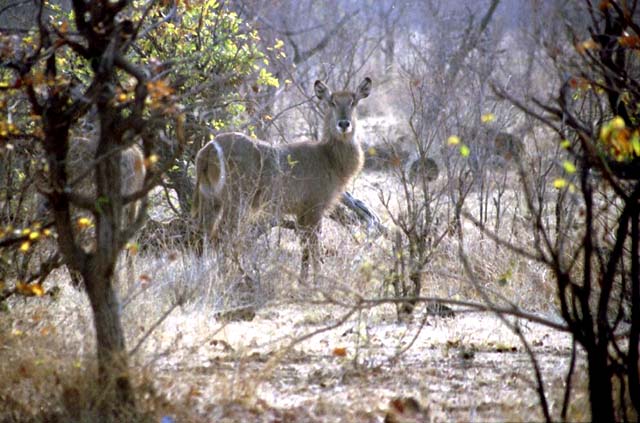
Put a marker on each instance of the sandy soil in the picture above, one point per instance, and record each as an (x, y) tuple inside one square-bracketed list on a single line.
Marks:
[(465, 368)]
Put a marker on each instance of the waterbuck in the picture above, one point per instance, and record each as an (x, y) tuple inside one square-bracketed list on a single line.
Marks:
[(235, 174), (80, 167)]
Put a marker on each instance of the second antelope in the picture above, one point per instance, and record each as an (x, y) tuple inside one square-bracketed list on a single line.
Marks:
[(235, 173), (80, 168)]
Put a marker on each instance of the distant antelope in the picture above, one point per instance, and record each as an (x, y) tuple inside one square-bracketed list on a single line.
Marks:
[(236, 173), (508, 146), (423, 167), (80, 164)]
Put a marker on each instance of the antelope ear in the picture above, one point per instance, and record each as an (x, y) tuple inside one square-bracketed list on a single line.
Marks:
[(322, 91), (364, 89)]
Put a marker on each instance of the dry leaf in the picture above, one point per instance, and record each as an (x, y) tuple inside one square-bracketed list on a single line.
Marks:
[(340, 352)]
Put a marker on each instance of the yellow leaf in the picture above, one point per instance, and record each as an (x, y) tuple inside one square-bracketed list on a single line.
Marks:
[(569, 167), (587, 45), (565, 144), (617, 123), (464, 151), (132, 247), (487, 117), (34, 235), (84, 222), (151, 160), (29, 289), (372, 151), (291, 162), (24, 247), (559, 183), (36, 289), (17, 332), (453, 140)]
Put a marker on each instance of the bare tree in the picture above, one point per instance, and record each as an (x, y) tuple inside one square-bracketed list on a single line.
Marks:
[(100, 41), (592, 248)]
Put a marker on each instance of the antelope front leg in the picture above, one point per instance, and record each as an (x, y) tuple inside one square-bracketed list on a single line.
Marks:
[(310, 251)]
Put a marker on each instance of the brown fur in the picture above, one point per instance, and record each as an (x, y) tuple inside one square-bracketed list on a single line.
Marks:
[(81, 159), (235, 174), (508, 146), (80, 171), (423, 169)]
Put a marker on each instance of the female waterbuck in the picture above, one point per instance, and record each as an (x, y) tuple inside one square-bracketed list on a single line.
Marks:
[(235, 174), (80, 166)]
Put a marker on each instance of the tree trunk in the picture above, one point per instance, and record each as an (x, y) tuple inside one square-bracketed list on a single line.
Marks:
[(600, 387), (113, 373), (633, 361)]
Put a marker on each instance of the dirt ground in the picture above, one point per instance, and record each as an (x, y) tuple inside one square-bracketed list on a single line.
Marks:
[(298, 360), (464, 368)]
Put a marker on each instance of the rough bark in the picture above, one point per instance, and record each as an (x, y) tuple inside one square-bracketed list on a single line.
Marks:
[(113, 372)]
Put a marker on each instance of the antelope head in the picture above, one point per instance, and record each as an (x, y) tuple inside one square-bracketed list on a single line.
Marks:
[(341, 106)]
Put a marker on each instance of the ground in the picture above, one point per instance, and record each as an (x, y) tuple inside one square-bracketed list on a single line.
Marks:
[(468, 367), (464, 368)]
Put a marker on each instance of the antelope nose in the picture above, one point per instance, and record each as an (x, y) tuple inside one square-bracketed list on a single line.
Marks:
[(344, 125)]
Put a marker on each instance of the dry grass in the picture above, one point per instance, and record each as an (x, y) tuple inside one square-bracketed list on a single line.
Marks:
[(195, 368)]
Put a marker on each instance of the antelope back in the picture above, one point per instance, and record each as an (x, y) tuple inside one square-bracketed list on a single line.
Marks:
[(81, 161)]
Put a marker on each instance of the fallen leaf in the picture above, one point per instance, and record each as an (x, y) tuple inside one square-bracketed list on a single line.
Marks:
[(340, 352)]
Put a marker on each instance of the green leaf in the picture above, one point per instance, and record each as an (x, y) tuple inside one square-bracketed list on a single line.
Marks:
[(635, 143)]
